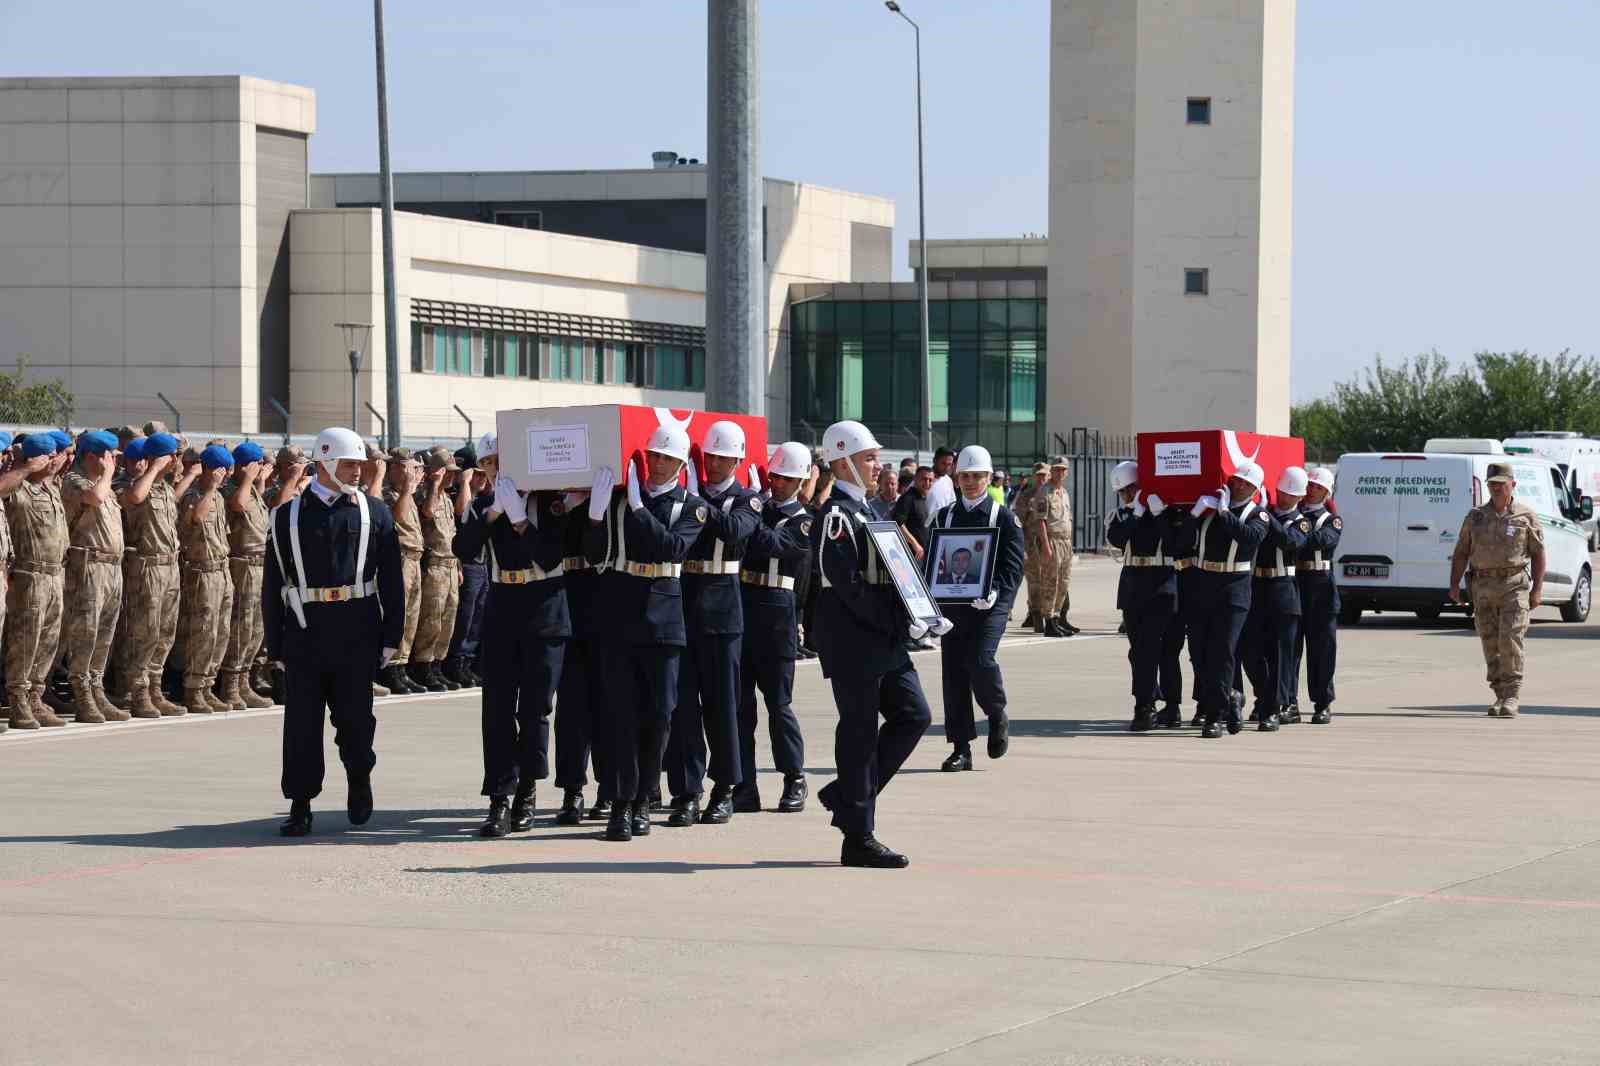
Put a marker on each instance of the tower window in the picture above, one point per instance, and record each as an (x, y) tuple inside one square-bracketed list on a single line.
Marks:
[(1199, 111), (1196, 281)]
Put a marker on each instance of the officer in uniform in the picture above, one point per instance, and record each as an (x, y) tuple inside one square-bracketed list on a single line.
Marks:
[(93, 588), (1319, 599), (246, 514), (1273, 625), (708, 674), (405, 475), (461, 661), (526, 628), (1050, 527), (1032, 557), (582, 693), (640, 541), (149, 576), (441, 575), (967, 654), (334, 610), (33, 598), (290, 475), (1227, 536), (207, 601), (776, 561), (1148, 534), (1501, 550), (861, 631)]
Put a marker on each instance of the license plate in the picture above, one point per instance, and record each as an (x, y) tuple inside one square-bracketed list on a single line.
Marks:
[(1365, 570)]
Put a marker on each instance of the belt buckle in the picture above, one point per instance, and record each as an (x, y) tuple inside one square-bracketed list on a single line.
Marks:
[(335, 595), (517, 577)]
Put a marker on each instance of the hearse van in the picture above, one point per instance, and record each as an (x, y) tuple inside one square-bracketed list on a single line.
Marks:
[(1579, 460)]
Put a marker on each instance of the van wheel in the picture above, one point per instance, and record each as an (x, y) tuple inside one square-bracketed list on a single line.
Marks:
[(1349, 614), (1577, 608), (1428, 614)]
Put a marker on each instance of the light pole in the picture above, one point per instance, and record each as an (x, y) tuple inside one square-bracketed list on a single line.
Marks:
[(391, 322), (355, 343), (922, 244)]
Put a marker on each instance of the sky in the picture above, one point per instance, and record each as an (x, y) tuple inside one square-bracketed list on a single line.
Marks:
[(1447, 154)]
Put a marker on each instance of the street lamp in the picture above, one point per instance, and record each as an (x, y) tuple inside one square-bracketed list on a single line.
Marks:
[(922, 243), (355, 343)]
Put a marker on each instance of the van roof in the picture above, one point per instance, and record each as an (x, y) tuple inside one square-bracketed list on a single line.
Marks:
[(1464, 446)]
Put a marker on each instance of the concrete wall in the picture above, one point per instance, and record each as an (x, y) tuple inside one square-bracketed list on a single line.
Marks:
[(127, 239)]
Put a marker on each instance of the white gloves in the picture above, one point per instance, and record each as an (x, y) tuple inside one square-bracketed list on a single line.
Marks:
[(1138, 507), (605, 479), (571, 500), (693, 477), (941, 626), (916, 629), (755, 478), (1224, 499), (510, 501), (1156, 504), (1204, 504), (988, 601), (635, 500), (388, 653)]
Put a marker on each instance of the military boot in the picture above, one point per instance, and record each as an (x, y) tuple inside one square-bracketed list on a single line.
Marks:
[(209, 691), (51, 697), (422, 680), (140, 704), (85, 710), (261, 680), (436, 674), (227, 691), (455, 671), (167, 708), (1144, 718), (247, 693), (195, 702), (21, 714), (42, 713), (97, 689)]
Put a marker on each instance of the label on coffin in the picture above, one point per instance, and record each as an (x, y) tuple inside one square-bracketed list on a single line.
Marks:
[(1174, 458), (558, 449)]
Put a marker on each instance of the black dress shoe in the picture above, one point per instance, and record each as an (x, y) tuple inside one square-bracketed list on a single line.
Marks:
[(571, 808), (685, 812), (1144, 719), (1030, 620), (1321, 715), (522, 809), (639, 819), (436, 675), (865, 850), (298, 824), (1233, 723), (618, 824), (1211, 731), (794, 794), (1255, 714), (358, 800), (719, 809), (1071, 630), (1171, 717), (999, 735), (827, 794), (498, 823), (655, 800), (1267, 723), (956, 761), (1199, 717), (1290, 715), (601, 809), (747, 800)]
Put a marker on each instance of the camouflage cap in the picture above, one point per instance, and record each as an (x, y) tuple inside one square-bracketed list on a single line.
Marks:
[(126, 433), (375, 454), (154, 426), (190, 457), (438, 458), (1041, 468), (400, 455), (1500, 472), (1060, 460), (290, 453)]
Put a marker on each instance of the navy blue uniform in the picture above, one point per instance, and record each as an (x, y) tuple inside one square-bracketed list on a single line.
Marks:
[(351, 617), (582, 689), (1319, 604), (968, 667), (466, 639), (1273, 626), (640, 631), (1147, 596), (708, 679), (1220, 593), (776, 563), (860, 635), (526, 626)]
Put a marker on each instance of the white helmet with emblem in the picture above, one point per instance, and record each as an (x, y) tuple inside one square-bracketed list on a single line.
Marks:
[(974, 459), (1124, 475), (792, 459), (336, 443), (844, 439), (1292, 481), (1321, 475), (725, 439), (488, 445), (1250, 471), (669, 441)]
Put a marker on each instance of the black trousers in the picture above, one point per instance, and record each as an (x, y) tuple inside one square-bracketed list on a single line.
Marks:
[(521, 673), (1267, 652), (1172, 640), (774, 676), (580, 693), (466, 639), (1318, 639), (868, 757), (641, 688), (1218, 630), (1148, 653), (329, 670), (705, 722), (968, 669)]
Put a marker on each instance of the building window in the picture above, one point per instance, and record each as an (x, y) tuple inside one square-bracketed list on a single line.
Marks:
[(1196, 281), (1199, 111), (520, 219)]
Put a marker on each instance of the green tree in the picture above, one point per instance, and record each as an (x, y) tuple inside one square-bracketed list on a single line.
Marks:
[(37, 403)]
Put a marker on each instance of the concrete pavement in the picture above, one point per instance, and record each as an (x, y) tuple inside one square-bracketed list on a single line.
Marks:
[(1416, 883)]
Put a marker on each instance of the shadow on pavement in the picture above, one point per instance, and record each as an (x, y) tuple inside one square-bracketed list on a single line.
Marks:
[(330, 827), (663, 867), (1480, 711)]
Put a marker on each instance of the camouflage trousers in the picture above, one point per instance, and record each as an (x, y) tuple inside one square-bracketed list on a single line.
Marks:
[(246, 629), (411, 573), (1031, 559), (204, 609), (33, 626), (89, 616), (149, 620), (1500, 613), (436, 619), (1055, 577)]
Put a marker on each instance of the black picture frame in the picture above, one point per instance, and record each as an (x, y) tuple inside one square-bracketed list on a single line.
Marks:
[(944, 544), (896, 557)]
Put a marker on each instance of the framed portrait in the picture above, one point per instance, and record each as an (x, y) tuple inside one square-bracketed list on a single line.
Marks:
[(895, 557), (960, 563)]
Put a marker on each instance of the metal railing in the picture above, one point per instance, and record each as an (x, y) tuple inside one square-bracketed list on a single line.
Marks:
[(1092, 455)]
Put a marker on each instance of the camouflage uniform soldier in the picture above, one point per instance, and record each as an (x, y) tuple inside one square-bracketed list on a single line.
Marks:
[(1050, 533), (207, 601), (247, 560), (10, 477), (1031, 554), (404, 475), (1503, 544), (441, 575), (149, 576), (94, 576), (33, 600)]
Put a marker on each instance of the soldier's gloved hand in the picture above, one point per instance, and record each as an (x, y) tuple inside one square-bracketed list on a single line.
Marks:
[(691, 476), (635, 500), (941, 626), (571, 500), (1201, 506), (1156, 504), (755, 478), (388, 653), (516, 507), (916, 629), (605, 479), (1224, 499), (1138, 506), (988, 601), (504, 492)]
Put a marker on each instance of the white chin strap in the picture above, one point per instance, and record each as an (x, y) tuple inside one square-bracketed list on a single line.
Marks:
[(332, 470)]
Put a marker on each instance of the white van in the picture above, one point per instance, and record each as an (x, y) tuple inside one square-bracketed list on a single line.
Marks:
[(1579, 460), (1402, 513)]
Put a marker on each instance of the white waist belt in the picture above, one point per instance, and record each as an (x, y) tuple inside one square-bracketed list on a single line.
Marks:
[(340, 594), (1274, 571), (1224, 568), (1303, 567), (751, 577), (707, 566), (653, 570), (525, 577)]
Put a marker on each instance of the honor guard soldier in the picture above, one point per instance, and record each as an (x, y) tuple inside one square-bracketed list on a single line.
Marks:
[(1227, 535), (150, 586), (334, 610), (93, 592), (775, 563), (1319, 599), (525, 629), (641, 541), (247, 560), (1148, 534), (707, 714), (38, 528), (967, 654), (861, 630), (402, 676), (582, 692), (1273, 625)]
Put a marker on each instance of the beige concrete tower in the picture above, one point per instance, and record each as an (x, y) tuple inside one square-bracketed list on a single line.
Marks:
[(1171, 171)]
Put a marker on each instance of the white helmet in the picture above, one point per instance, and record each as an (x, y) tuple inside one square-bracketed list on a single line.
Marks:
[(1124, 475), (792, 459), (1292, 481), (670, 441), (974, 459), (488, 445), (1321, 475), (1250, 471), (725, 439), (844, 439), (334, 444)]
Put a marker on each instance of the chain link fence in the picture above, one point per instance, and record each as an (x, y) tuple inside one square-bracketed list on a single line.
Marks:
[(1092, 455)]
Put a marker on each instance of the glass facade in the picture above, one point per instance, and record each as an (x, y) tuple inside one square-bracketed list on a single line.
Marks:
[(492, 353), (861, 359)]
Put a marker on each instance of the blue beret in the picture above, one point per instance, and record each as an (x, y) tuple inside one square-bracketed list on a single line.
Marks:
[(159, 444), (62, 439), (248, 452), (97, 442), (36, 444), (135, 450), (214, 456), (5, 440)]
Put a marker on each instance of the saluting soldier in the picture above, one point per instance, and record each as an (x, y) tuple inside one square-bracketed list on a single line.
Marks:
[(246, 514), (334, 610), (206, 604), (93, 590), (1148, 534), (1022, 507), (10, 478), (1050, 526), (405, 474), (33, 598), (1273, 625), (441, 574), (1319, 600), (775, 563), (150, 576)]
